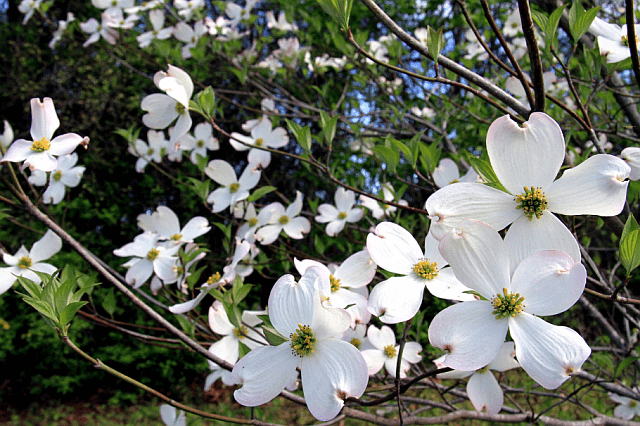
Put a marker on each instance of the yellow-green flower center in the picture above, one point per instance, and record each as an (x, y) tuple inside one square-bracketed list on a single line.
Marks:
[(625, 40), (214, 278), (57, 176), (24, 262), (302, 341), (454, 181), (425, 269), (259, 142), (335, 283), (150, 151), (342, 215), (179, 270), (633, 404), (240, 332), (180, 108), (41, 145), (532, 202), (253, 221), (507, 304), (233, 188), (153, 254), (483, 369), (200, 143), (283, 219), (390, 351), (176, 237), (356, 342)]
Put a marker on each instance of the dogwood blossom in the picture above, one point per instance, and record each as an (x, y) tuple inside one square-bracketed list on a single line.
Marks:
[(385, 352), (190, 36), (147, 153), (628, 408), (7, 135), (380, 210), (67, 174), (482, 388), (40, 153), (278, 219), (23, 263), (447, 173), (398, 299), (172, 417), (612, 39), (281, 24), (331, 369), (526, 160), (28, 7), (261, 136), (166, 224), (202, 141), (156, 17), (97, 30), (233, 189), (337, 217), (545, 283), (148, 257), (632, 156)]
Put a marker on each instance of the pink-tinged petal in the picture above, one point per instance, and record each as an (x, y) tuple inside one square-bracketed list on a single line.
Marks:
[(335, 227), (41, 161), (345, 199), (334, 372), (530, 155), (290, 304), (263, 374), (505, 360), (550, 282), (221, 172), (452, 204), (357, 270), (218, 320), (375, 359), (46, 247), (470, 333), (381, 337), (447, 286), (485, 393), (327, 213), (161, 111), (478, 257), (526, 237), (393, 248), (548, 353), (18, 151), (44, 120), (397, 299), (446, 173), (139, 272), (227, 349), (268, 234), (297, 227), (194, 228), (596, 186), (354, 215), (65, 144)]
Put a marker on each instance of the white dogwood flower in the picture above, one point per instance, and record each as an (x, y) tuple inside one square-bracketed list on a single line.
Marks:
[(148, 257), (233, 189), (261, 136), (67, 174), (337, 217), (278, 219), (628, 408), (613, 39), (166, 224), (385, 352), (447, 173)]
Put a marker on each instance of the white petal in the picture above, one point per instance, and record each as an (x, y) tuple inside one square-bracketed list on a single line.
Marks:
[(393, 248), (334, 372), (596, 186), (470, 333), (290, 304), (65, 144), (411, 352), (263, 374), (46, 247), (327, 213), (452, 204), (328, 321), (530, 155), (227, 349), (375, 359), (297, 227), (549, 281), (447, 286), (18, 151), (44, 120), (357, 270), (268, 234), (335, 227), (218, 320), (139, 272), (345, 199), (548, 353), (381, 337), (478, 257), (445, 173), (485, 393), (196, 227), (397, 299), (250, 177), (505, 360), (632, 156)]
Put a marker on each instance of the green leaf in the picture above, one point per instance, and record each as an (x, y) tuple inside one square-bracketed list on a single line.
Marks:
[(187, 326), (435, 43), (429, 156), (69, 312), (109, 302), (624, 364), (540, 19), (260, 192), (242, 350), (580, 20), (486, 172), (552, 24), (630, 251), (399, 146), (273, 337), (302, 135), (35, 290), (629, 226), (328, 127), (389, 155), (234, 314), (42, 307)]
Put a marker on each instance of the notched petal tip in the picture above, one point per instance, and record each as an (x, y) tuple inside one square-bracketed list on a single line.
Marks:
[(85, 142)]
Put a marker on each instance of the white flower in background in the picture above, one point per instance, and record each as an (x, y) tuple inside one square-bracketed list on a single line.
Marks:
[(337, 217), (121, 22), (148, 257), (288, 50), (612, 39), (447, 173), (251, 222), (151, 152), (190, 36), (474, 48), (233, 189), (156, 17), (23, 263), (262, 136), (324, 61), (278, 219), (268, 106), (515, 295), (238, 13), (281, 24), (270, 62), (187, 7), (515, 87), (66, 174), (513, 24), (385, 352), (632, 156), (7, 136), (163, 109), (398, 299), (356, 336), (28, 7), (348, 283), (166, 224), (422, 35), (628, 408), (39, 153), (482, 388), (171, 417), (390, 86), (332, 370), (526, 161), (378, 50), (380, 210), (97, 30), (62, 27), (201, 142), (425, 112), (112, 7)]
